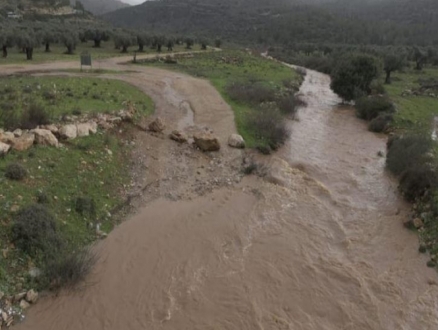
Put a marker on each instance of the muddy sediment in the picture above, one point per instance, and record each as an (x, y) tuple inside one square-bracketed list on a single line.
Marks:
[(318, 243)]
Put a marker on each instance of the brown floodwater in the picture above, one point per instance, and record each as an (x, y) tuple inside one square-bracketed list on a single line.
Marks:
[(319, 244)]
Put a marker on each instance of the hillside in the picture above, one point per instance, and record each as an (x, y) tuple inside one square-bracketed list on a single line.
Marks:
[(99, 7), (284, 22)]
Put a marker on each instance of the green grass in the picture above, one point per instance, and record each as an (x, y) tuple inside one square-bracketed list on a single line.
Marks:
[(414, 113), (222, 68), (64, 95), (57, 53), (83, 168)]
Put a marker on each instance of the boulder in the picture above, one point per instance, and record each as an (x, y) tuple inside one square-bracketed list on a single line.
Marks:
[(45, 137), (93, 127), (52, 128), (32, 296), (18, 132), (68, 132), (83, 129), (236, 141), (19, 296), (24, 304), (24, 142), (7, 137), (178, 136), (157, 125), (4, 148), (206, 142)]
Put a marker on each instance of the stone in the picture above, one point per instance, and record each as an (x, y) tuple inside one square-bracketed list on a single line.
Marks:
[(4, 148), (45, 137), (52, 128), (18, 132), (19, 296), (24, 304), (23, 142), (32, 296), (418, 223), (7, 137), (236, 141), (206, 142), (68, 132), (93, 127), (157, 125), (115, 120), (178, 136), (35, 272), (83, 129)]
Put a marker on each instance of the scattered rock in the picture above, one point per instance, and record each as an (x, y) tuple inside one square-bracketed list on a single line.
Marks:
[(178, 136), (45, 137), (206, 142), (4, 148), (68, 132), (418, 223), (19, 296), (7, 137), (18, 132), (115, 120), (31, 296), (24, 304), (157, 125), (236, 141), (52, 128), (23, 142)]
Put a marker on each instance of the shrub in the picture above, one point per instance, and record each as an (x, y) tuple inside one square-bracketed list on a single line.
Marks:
[(255, 168), (406, 151), (33, 116), (290, 104), (76, 112), (15, 172), (269, 127), (34, 230), (66, 269), (250, 93), (42, 198), (85, 206), (417, 180), (370, 107), (9, 118), (49, 95), (381, 122)]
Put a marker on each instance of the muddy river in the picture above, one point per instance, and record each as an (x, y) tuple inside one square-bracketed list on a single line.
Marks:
[(319, 244)]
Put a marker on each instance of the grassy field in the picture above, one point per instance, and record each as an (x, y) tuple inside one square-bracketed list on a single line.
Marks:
[(57, 53), (69, 95), (414, 113), (93, 168), (223, 68)]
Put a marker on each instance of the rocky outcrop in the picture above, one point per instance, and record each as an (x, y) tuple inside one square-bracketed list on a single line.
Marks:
[(68, 132), (23, 142), (157, 125), (206, 142), (178, 136), (45, 137), (85, 129), (236, 141), (7, 137)]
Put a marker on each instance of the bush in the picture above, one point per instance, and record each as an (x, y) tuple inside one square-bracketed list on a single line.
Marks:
[(250, 93), (34, 230), (85, 206), (407, 151), (67, 269), (370, 107), (269, 127), (15, 172), (381, 123), (417, 180), (33, 116), (42, 198), (290, 104), (9, 118)]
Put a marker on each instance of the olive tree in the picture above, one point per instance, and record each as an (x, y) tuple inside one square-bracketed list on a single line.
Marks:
[(353, 76), (123, 41), (97, 35), (392, 62), (7, 40), (143, 40), (28, 40), (70, 39)]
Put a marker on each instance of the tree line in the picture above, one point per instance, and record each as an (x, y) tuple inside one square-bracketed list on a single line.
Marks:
[(32, 35)]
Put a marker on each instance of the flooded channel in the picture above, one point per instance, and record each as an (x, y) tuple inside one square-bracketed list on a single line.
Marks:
[(317, 245)]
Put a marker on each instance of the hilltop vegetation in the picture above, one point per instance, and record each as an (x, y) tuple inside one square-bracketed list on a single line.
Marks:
[(288, 22)]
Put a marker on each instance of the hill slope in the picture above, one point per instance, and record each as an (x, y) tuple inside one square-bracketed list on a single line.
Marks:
[(289, 21), (99, 7)]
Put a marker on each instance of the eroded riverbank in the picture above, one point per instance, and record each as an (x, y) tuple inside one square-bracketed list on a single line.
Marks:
[(317, 244)]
